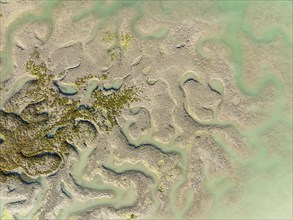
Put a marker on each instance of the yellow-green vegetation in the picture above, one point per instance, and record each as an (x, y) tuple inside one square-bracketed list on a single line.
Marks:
[(113, 103), (81, 81), (28, 144), (132, 216), (6, 215), (125, 40), (119, 44)]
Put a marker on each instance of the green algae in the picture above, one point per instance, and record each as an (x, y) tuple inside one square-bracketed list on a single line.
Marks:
[(119, 44), (100, 9), (114, 102), (6, 215), (33, 139), (19, 84), (45, 15)]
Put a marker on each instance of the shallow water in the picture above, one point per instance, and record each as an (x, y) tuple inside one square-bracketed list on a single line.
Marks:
[(239, 51)]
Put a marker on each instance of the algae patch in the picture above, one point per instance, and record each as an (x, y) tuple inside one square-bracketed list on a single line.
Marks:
[(27, 143), (119, 44)]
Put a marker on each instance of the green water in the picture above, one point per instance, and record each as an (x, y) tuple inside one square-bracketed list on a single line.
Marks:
[(268, 189)]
